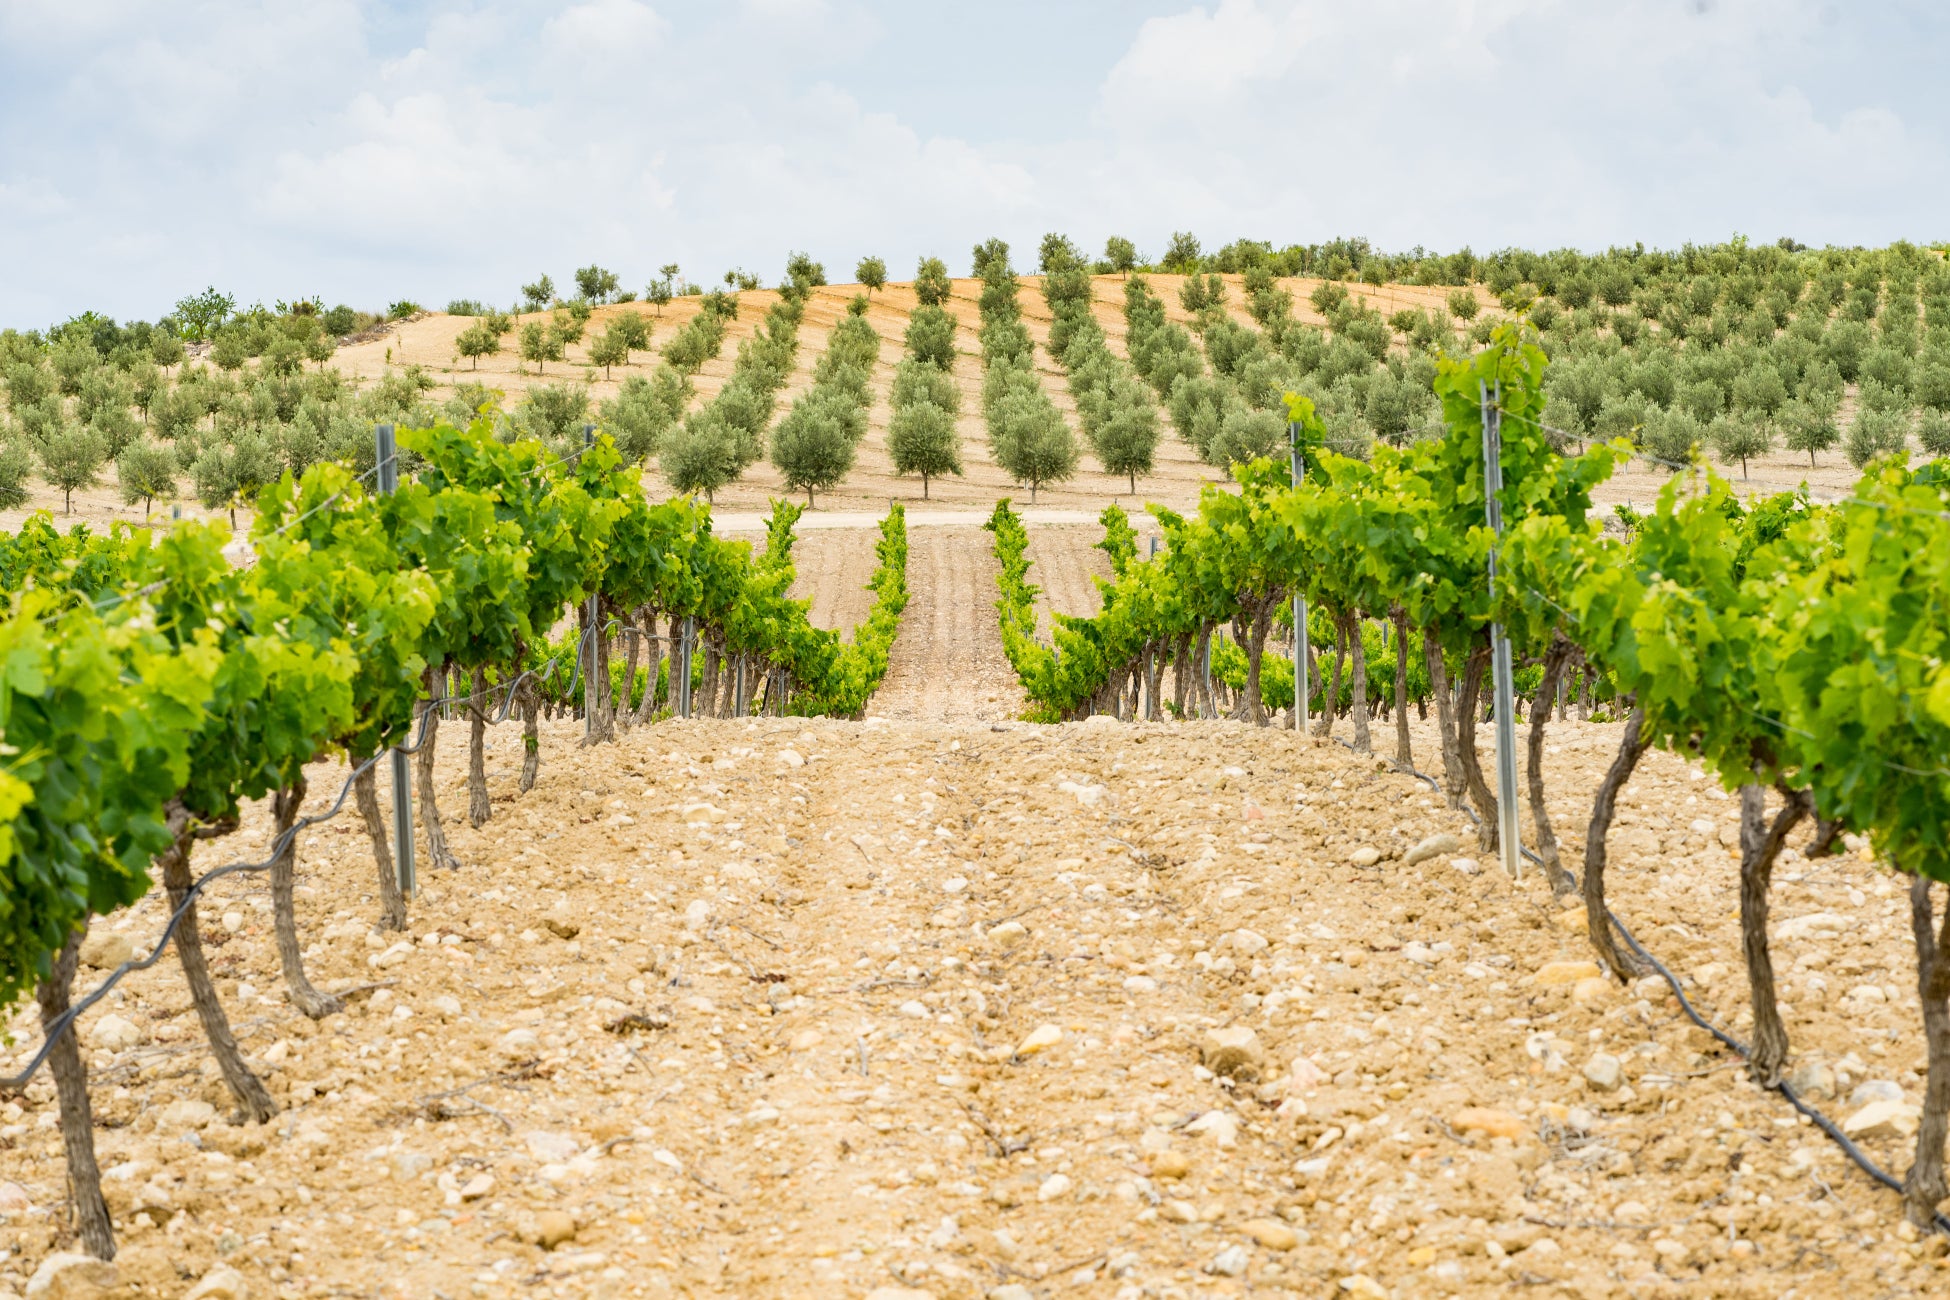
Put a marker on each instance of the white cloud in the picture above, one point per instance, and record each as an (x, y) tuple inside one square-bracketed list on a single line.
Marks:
[(458, 147)]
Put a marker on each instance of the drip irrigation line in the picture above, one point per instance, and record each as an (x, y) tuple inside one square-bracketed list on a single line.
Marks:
[(1833, 1131)]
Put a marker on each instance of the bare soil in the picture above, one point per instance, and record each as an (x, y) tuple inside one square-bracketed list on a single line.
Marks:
[(906, 1008)]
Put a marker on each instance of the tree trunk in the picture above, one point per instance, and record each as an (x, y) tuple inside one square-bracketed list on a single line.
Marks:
[(1180, 671), (1925, 1186), (1358, 661), (1555, 657), (1154, 669), (597, 693), (1823, 843), (1404, 752), (1202, 672), (1251, 706), (1479, 790), (479, 806), (708, 688), (648, 709), (1603, 807), (284, 910), (625, 711), (246, 1087), (1760, 844), (1330, 698), (1584, 694), (428, 717), (529, 696), (77, 1116), (392, 903), (1453, 783)]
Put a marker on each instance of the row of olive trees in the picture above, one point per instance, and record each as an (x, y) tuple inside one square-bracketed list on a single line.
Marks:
[(1027, 434)]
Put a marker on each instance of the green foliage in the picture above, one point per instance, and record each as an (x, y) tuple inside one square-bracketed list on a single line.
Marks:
[(1875, 433), (872, 272), (931, 283), (71, 457), (596, 284), (931, 337), (200, 314), (145, 472), (1120, 255), (476, 341), (538, 295)]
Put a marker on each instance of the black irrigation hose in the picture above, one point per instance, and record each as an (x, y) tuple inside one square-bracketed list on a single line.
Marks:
[(1856, 1155), (15, 1082)]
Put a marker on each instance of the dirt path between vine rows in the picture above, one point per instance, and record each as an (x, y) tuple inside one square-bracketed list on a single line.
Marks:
[(903, 1009)]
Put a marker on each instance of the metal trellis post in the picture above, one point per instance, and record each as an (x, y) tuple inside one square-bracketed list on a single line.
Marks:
[(1500, 667), (388, 455), (591, 689), (1300, 692)]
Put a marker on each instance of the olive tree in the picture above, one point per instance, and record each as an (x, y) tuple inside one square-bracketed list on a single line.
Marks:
[(931, 284), (596, 284), (541, 345), (539, 294), (1120, 254), (1031, 441), (201, 313), (1463, 304), (1740, 438), (71, 457), (872, 272), (145, 471), (1182, 253), (813, 445), (1808, 424), (476, 341), (922, 439), (931, 337), (609, 349)]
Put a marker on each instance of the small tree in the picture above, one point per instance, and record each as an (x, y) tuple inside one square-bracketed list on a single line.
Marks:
[(1933, 431), (1032, 442), (1808, 424), (659, 295), (609, 349), (1056, 252), (871, 272), (1738, 438), (145, 471), (539, 294), (201, 313), (1120, 254), (319, 349), (1463, 304), (540, 344), (71, 457), (231, 349), (931, 283), (597, 284), (165, 349), (634, 330), (923, 440), (1875, 433), (931, 337), (700, 455), (476, 341), (1182, 253), (811, 448), (1127, 435)]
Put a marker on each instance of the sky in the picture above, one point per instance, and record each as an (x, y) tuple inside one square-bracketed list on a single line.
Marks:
[(368, 151)]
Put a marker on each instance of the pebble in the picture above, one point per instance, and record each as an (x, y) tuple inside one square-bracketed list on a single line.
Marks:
[(790, 757), (67, 1273), (1041, 1039), (1170, 1165), (1179, 1211), (911, 1009), (519, 1043), (1595, 988), (1432, 846), (220, 1283), (553, 1227), (112, 1033), (954, 884), (1234, 1052), (105, 950), (1222, 1126), (1140, 984), (1247, 943), (1554, 974), (477, 1187), (448, 1006), (1468, 866), (233, 921), (1010, 1291), (14, 1199), (1054, 1188), (1008, 934), (1231, 1262), (1603, 1073), (1360, 1284), (807, 1039), (188, 1113), (1875, 1090), (1365, 856), (1882, 1119), (1271, 1233), (1490, 1123)]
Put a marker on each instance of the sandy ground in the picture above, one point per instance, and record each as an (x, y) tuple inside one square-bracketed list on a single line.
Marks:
[(923, 1006)]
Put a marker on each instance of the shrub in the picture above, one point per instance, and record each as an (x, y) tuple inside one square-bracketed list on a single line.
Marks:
[(1933, 431), (643, 410), (467, 307), (1875, 433), (402, 309), (872, 272), (539, 294), (931, 283), (931, 336)]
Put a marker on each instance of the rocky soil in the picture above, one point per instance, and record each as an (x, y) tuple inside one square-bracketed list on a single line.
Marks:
[(977, 1008)]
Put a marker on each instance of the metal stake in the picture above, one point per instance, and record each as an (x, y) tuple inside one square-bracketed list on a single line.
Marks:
[(1301, 704), (1500, 667), (388, 454), (592, 690)]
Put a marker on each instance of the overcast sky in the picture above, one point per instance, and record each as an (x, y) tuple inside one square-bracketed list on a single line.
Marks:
[(370, 150)]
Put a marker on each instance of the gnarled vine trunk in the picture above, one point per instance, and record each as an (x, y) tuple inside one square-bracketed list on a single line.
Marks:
[(245, 1086), (1760, 844), (1453, 782), (1555, 657), (1479, 790), (1358, 667), (1603, 807), (284, 907), (1925, 1186), (77, 1116), (1404, 751), (479, 806), (427, 728), (392, 903), (1330, 698)]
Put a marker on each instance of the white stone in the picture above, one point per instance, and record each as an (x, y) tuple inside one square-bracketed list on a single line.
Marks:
[(1140, 984), (1054, 1188), (67, 1273), (1247, 943), (1603, 1073), (1222, 1126), (1365, 856), (915, 1010), (792, 758), (1432, 846), (1882, 1119), (1231, 1261), (1814, 923), (114, 1034), (1041, 1039), (1007, 935), (185, 1114), (1468, 866)]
